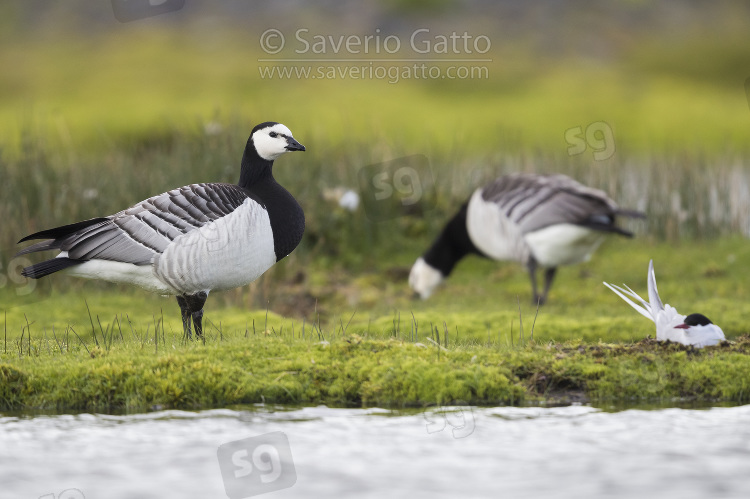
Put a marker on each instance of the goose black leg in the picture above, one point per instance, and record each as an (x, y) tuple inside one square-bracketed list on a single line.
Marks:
[(195, 309), (198, 322), (532, 274), (549, 276), (185, 311), (191, 307)]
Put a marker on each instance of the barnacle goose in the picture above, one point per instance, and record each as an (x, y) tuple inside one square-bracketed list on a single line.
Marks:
[(694, 329), (192, 240), (538, 220)]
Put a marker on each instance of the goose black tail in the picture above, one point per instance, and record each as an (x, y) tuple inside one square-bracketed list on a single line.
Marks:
[(65, 230), (606, 223), (56, 236), (48, 267), (608, 228), (630, 213)]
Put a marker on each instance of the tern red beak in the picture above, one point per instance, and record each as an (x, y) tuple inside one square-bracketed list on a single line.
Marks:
[(682, 326)]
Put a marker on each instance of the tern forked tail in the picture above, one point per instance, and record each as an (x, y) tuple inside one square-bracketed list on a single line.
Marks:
[(643, 307)]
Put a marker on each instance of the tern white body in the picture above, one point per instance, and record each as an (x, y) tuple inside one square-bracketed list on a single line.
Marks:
[(670, 324)]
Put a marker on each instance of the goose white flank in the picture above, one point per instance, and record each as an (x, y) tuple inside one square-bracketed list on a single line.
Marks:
[(537, 220), (189, 241), (694, 329)]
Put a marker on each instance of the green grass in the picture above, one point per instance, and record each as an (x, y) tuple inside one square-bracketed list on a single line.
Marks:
[(481, 298), (353, 340)]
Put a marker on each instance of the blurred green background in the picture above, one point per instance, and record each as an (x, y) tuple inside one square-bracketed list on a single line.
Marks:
[(664, 75), (96, 114)]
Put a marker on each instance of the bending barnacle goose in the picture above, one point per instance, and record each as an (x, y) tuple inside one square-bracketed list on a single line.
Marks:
[(192, 240), (694, 329), (538, 220)]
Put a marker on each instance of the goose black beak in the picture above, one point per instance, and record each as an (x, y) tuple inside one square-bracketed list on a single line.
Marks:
[(293, 145)]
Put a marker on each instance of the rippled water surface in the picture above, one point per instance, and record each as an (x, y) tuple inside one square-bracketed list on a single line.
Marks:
[(312, 452)]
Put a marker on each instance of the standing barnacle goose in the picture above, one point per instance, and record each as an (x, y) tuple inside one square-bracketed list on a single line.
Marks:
[(694, 329), (538, 220), (192, 240)]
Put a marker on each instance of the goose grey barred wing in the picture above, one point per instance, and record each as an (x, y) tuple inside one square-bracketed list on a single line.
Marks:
[(534, 202), (138, 233)]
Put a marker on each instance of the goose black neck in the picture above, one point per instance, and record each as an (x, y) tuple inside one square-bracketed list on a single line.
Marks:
[(254, 169), (285, 214), (451, 245)]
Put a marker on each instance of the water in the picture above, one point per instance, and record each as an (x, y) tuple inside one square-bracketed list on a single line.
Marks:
[(504, 452)]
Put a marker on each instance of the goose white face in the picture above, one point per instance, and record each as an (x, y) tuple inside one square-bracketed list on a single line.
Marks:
[(424, 278), (273, 141)]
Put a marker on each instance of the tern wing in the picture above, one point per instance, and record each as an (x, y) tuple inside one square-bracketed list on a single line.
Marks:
[(642, 308), (653, 293)]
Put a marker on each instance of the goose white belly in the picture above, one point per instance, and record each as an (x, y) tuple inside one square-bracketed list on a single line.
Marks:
[(563, 244), (121, 273), (492, 232), (227, 253)]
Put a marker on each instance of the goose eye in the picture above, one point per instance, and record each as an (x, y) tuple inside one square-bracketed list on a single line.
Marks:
[(273, 135)]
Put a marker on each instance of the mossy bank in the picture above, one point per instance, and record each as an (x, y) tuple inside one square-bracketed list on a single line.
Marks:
[(356, 371)]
